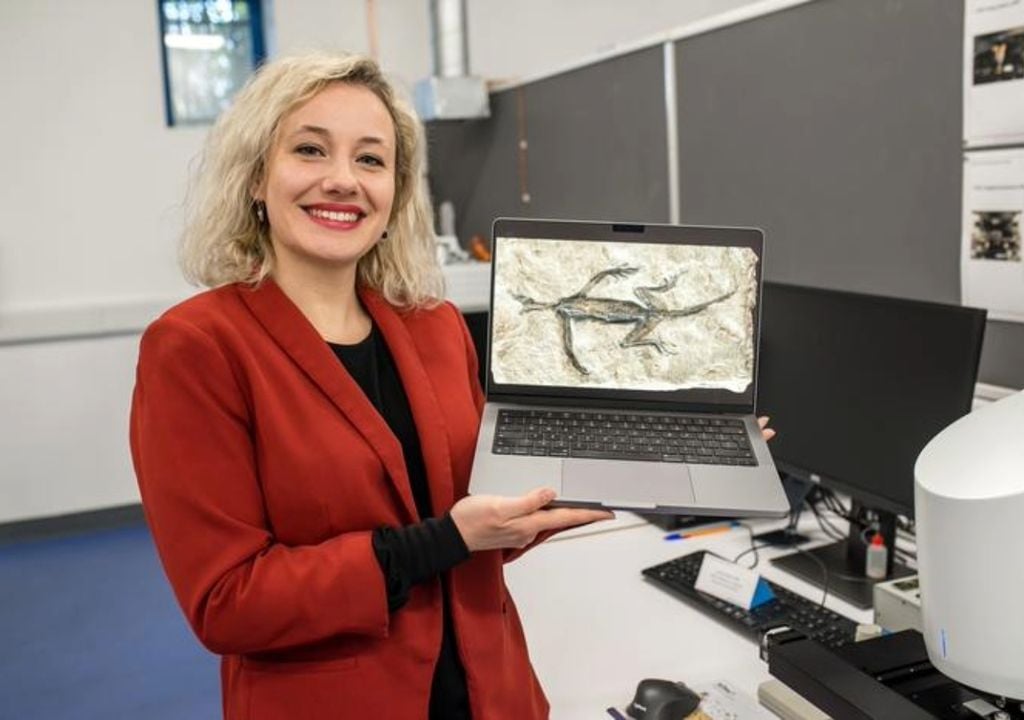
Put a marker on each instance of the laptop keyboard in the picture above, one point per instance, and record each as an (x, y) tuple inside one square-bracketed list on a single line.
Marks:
[(622, 436)]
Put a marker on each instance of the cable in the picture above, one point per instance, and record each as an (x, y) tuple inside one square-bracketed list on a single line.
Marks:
[(824, 573), (833, 503), (826, 527), (824, 568), (831, 530), (832, 533), (907, 557), (754, 547)]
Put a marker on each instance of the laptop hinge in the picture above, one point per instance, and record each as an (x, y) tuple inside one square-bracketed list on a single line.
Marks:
[(620, 404)]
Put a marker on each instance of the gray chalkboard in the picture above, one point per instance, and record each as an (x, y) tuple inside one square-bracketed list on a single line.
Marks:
[(836, 127)]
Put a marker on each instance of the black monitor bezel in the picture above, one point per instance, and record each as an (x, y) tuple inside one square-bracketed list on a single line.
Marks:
[(868, 497)]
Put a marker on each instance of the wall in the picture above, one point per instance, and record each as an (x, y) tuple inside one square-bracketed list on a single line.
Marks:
[(64, 412), (849, 159), (842, 141), (89, 210), (90, 220), (89, 207), (94, 213), (564, 32), (93, 182)]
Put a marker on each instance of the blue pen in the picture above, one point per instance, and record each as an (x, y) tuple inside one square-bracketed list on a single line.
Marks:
[(616, 714), (702, 532)]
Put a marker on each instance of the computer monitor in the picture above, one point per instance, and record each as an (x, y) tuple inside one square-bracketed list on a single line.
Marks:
[(856, 385)]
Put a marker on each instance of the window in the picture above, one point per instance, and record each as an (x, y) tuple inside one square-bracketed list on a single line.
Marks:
[(210, 48)]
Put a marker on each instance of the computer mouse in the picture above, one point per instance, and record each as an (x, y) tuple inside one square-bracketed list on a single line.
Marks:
[(662, 700)]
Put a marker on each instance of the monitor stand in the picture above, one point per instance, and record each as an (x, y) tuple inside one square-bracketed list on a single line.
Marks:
[(845, 564)]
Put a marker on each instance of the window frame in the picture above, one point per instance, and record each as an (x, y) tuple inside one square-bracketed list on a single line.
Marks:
[(259, 54)]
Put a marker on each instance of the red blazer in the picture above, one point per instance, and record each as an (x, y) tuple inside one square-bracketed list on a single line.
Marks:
[(264, 469)]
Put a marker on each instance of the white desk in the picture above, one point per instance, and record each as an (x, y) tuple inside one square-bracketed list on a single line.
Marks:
[(595, 627)]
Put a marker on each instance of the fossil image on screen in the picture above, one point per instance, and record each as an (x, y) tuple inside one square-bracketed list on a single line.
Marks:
[(633, 316)]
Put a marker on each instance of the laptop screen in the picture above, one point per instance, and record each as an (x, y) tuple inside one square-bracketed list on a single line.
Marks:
[(653, 314)]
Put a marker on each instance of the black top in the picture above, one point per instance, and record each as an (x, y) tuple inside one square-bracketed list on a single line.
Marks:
[(414, 553)]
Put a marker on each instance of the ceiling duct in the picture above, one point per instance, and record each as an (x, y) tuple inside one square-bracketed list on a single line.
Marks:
[(451, 93)]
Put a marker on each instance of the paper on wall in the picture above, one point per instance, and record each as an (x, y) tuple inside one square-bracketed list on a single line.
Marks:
[(993, 72), (991, 265)]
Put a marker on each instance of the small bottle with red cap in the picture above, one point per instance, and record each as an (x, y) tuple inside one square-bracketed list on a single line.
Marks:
[(877, 558)]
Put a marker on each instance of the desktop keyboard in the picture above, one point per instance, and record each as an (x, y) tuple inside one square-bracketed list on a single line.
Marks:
[(787, 609), (623, 436)]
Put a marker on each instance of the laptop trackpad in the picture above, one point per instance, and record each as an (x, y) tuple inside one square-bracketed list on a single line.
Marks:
[(624, 482)]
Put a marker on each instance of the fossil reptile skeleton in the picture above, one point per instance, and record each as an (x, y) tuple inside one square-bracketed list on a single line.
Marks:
[(644, 316)]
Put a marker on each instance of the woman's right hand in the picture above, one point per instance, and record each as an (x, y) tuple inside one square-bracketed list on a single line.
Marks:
[(491, 522)]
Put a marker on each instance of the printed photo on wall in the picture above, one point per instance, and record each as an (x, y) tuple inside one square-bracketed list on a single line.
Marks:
[(995, 235), (999, 56), (991, 271), (993, 73)]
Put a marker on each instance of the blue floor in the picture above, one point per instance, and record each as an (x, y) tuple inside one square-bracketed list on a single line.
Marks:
[(89, 629)]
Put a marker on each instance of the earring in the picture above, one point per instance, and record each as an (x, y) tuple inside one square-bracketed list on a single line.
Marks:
[(261, 211), (384, 236)]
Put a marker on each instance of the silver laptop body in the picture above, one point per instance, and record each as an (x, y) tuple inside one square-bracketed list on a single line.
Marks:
[(622, 368)]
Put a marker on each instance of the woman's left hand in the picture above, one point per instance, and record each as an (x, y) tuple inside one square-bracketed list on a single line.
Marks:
[(766, 431)]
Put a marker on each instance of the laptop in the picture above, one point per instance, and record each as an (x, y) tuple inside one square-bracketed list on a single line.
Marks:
[(622, 368)]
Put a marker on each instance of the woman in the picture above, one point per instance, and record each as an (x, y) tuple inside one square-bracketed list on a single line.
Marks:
[(302, 433)]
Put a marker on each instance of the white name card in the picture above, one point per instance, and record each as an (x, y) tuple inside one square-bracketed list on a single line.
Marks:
[(731, 582)]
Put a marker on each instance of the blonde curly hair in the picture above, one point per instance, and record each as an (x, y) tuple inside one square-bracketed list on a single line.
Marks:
[(224, 241)]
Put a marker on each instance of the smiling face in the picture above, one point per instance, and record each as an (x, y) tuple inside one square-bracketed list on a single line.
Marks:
[(329, 183)]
